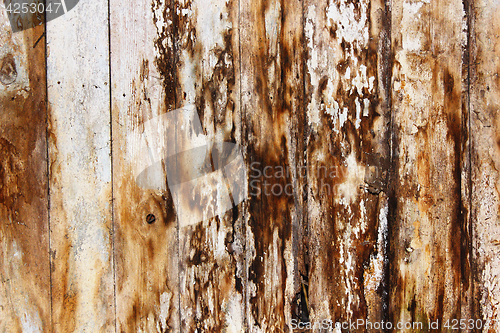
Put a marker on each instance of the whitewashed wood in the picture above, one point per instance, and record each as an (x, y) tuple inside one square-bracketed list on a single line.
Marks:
[(24, 241), (80, 170), (147, 297)]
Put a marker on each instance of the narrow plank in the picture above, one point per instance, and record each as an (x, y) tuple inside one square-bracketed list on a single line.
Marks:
[(143, 90), (272, 100), (80, 170), (485, 158), (211, 270), (348, 158), (24, 250), (428, 268)]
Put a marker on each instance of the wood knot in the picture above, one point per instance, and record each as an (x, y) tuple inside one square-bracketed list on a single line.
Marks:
[(8, 72)]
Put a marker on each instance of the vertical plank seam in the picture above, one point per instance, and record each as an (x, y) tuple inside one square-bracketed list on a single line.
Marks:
[(392, 167), (47, 108), (472, 303), (305, 159), (113, 248), (175, 38), (243, 231)]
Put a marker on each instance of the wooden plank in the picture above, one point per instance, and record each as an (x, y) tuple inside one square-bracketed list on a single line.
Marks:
[(143, 89), (428, 268), (485, 158), (80, 170), (24, 250), (348, 158), (211, 270), (272, 100)]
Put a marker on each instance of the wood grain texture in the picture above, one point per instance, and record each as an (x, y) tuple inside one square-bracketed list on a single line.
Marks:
[(485, 159), (80, 170), (428, 266), (207, 79), (369, 130), (348, 157), (272, 102), (143, 89), (24, 247)]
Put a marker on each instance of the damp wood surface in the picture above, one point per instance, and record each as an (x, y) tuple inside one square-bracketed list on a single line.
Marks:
[(367, 128)]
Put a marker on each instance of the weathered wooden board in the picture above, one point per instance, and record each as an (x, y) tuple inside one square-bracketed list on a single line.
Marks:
[(428, 264), (485, 159), (207, 82), (272, 99), (348, 157), (143, 88), (80, 170), (24, 250)]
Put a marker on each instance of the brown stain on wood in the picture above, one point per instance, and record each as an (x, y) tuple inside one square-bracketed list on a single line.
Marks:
[(429, 156), (209, 277), (272, 62), (146, 254), (344, 220), (24, 263)]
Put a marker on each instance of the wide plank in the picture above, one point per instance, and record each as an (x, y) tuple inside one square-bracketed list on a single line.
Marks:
[(146, 232), (81, 227), (348, 158), (428, 263), (211, 267), (24, 232), (273, 125)]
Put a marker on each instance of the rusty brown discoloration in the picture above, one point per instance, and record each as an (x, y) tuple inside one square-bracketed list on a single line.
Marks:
[(207, 60), (428, 281), (272, 97), (24, 253), (348, 114), (146, 253)]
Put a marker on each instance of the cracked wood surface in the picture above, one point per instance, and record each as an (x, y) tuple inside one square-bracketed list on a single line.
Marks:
[(368, 129)]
